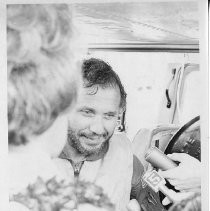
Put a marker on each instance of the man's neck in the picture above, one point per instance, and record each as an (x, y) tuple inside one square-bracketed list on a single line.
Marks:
[(70, 153)]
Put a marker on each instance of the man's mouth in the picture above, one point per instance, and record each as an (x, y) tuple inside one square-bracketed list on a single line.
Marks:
[(93, 140), (92, 144)]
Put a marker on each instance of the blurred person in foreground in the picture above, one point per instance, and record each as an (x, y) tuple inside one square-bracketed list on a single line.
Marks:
[(93, 151), (42, 74), (61, 196)]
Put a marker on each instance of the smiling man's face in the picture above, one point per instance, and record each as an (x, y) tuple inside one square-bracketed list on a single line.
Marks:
[(94, 118)]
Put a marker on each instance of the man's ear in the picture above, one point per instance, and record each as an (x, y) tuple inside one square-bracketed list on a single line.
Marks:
[(121, 110)]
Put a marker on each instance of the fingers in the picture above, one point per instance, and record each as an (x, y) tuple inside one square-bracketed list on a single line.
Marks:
[(181, 185), (182, 195), (186, 188), (133, 205), (194, 190), (166, 201), (176, 197), (186, 183), (170, 174), (193, 181), (181, 157)]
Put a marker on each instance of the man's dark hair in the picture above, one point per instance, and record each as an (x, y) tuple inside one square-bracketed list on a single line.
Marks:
[(96, 72)]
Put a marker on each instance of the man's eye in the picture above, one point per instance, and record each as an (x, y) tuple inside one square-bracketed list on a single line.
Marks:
[(109, 116), (87, 112)]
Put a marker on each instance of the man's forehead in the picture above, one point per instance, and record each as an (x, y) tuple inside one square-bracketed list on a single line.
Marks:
[(99, 88), (99, 94), (91, 90)]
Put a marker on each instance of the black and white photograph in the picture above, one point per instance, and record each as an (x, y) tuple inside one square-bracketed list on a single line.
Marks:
[(104, 105)]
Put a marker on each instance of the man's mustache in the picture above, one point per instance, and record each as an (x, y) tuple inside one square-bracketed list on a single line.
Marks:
[(94, 135)]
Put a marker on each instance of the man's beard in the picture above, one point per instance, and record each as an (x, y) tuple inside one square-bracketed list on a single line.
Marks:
[(74, 140)]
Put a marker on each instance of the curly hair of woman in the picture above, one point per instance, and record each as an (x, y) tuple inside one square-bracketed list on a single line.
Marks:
[(41, 67)]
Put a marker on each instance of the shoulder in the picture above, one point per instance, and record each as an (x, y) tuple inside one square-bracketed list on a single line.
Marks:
[(120, 147), (121, 141)]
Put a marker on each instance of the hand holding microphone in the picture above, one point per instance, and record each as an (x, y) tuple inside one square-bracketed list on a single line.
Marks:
[(155, 180), (187, 175)]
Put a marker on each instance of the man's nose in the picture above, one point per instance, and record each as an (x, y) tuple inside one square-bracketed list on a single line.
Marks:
[(97, 126)]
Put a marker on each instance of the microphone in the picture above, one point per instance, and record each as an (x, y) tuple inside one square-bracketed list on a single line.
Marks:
[(158, 159), (152, 178)]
